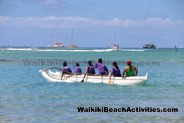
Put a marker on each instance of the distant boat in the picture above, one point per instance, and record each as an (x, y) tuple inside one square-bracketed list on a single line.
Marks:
[(72, 45), (57, 44), (149, 46), (115, 47)]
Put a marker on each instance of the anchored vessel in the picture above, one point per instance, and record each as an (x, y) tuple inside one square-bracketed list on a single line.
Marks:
[(72, 45), (115, 47), (149, 46)]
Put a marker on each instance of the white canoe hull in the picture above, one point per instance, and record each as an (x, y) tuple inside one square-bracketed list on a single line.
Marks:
[(56, 77)]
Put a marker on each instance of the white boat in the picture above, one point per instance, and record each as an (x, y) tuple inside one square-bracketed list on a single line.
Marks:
[(57, 43), (115, 47), (56, 77)]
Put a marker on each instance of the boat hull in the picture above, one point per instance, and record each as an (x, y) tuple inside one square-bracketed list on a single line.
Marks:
[(56, 77)]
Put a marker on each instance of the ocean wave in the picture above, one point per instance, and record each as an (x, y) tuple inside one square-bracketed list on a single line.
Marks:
[(95, 50), (19, 49), (72, 50), (134, 50)]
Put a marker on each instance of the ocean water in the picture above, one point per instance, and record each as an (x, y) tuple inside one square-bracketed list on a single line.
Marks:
[(25, 96)]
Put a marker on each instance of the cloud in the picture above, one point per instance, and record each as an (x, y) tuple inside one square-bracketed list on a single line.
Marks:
[(53, 5), (118, 22), (157, 21), (83, 22)]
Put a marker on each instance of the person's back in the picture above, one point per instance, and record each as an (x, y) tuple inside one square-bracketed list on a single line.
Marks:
[(77, 69), (116, 72), (102, 69), (66, 69), (130, 70), (90, 68)]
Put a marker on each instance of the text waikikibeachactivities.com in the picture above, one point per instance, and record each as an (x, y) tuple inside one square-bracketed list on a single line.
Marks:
[(59, 62), (125, 109)]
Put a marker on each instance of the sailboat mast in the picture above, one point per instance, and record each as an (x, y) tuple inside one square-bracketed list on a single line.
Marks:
[(72, 38), (55, 32)]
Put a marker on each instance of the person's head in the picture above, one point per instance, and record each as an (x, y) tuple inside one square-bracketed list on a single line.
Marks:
[(64, 63), (77, 64), (114, 64), (129, 62), (100, 60), (90, 63)]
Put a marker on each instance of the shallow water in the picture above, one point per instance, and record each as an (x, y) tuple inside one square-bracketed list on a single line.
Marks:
[(26, 96)]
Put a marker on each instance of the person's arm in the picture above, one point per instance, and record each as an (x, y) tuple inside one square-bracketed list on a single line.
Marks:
[(80, 70), (62, 74), (96, 65), (136, 71), (111, 73), (124, 71), (70, 71), (86, 69), (106, 70), (85, 74)]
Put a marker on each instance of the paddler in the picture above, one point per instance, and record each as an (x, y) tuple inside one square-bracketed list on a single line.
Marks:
[(66, 69), (77, 68), (102, 69), (129, 70), (115, 70), (90, 69)]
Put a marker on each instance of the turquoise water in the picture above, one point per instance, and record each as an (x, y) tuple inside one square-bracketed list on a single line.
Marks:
[(25, 96)]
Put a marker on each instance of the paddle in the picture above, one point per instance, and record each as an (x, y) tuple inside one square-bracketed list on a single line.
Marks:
[(110, 81), (137, 68), (90, 75), (84, 77)]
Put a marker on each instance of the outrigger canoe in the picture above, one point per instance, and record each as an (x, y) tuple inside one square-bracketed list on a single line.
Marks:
[(56, 77)]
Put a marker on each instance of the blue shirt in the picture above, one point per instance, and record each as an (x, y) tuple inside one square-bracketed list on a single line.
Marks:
[(77, 69), (91, 69), (116, 72), (102, 69), (66, 70)]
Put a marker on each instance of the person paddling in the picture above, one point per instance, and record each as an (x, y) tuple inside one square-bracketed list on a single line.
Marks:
[(129, 70), (102, 69), (115, 70), (66, 69), (90, 70), (77, 69)]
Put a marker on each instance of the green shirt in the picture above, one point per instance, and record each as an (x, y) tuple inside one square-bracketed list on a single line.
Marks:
[(128, 72)]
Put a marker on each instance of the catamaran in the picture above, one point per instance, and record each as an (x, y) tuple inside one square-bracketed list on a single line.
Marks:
[(52, 76)]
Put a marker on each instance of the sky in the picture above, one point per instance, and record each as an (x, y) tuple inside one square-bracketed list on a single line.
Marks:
[(96, 23)]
